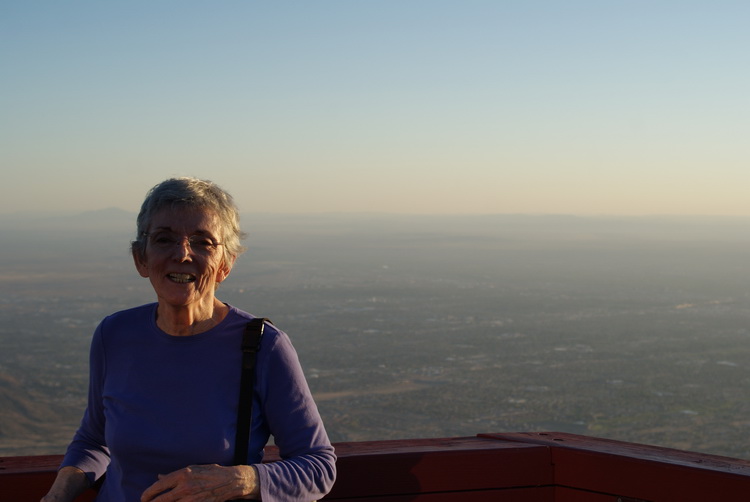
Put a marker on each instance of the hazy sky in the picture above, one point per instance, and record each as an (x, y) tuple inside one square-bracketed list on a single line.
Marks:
[(420, 106)]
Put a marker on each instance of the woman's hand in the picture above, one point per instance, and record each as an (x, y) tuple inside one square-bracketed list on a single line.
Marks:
[(205, 483)]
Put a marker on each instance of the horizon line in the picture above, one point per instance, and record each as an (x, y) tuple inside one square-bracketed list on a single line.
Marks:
[(73, 213)]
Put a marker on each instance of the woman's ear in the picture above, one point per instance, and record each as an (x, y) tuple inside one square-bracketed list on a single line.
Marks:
[(225, 269), (140, 263)]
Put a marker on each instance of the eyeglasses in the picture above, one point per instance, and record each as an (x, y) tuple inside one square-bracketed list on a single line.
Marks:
[(167, 241)]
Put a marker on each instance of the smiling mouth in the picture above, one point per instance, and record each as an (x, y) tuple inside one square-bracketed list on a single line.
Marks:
[(181, 278)]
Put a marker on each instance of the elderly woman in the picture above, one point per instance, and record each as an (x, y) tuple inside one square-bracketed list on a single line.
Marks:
[(165, 377)]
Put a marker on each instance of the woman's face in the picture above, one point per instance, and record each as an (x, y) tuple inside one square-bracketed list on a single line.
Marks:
[(183, 257)]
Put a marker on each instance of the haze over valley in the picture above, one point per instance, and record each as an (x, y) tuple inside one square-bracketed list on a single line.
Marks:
[(632, 328)]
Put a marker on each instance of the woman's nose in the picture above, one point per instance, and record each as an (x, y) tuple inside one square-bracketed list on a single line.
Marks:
[(182, 249)]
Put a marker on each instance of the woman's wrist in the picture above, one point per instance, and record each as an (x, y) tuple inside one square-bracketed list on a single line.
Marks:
[(249, 481), (69, 483)]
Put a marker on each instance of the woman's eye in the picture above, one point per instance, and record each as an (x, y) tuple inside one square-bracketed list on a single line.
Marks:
[(163, 240), (201, 241)]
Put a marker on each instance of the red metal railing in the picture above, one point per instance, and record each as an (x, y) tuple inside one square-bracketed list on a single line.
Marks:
[(513, 467)]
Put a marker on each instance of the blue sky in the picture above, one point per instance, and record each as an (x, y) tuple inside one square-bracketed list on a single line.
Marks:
[(413, 106)]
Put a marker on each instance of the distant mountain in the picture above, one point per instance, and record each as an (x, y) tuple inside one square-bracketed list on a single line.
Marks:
[(107, 214), (114, 218), (118, 221)]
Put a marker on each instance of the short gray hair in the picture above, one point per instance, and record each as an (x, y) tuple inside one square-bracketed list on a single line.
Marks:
[(192, 193)]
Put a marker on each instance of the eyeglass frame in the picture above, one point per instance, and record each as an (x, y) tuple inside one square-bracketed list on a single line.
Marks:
[(191, 240)]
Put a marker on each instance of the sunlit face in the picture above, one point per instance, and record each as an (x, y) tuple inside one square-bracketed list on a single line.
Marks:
[(183, 257)]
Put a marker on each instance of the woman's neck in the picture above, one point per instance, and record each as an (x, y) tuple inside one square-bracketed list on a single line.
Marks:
[(189, 320)]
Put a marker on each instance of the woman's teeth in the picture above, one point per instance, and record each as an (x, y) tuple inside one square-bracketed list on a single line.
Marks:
[(181, 278)]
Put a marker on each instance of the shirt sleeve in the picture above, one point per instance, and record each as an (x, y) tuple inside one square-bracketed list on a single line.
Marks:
[(308, 466), (88, 450)]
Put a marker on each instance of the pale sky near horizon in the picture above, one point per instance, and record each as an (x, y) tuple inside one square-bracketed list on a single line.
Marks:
[(419, 106)]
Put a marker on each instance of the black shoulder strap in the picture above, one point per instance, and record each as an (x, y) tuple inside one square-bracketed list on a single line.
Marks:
[(250, 345)]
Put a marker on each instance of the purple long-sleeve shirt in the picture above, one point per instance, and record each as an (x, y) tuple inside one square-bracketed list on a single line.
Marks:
[(158, 403)]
